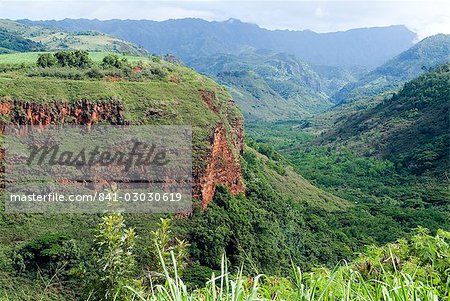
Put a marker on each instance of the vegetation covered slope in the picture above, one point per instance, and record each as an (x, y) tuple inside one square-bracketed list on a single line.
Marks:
[(425, 55), (411, 128), (194, 38), (281, 218), (267, 86), (388, 201), (57, 39), (10, 42), (149, 92), (409, 269)]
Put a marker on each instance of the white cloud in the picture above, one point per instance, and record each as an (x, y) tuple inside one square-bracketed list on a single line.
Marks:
[(99, 9), (319, 12)]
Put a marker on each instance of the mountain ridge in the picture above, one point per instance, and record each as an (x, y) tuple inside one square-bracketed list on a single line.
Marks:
[(425, 55), (189, 38), (267, 85)]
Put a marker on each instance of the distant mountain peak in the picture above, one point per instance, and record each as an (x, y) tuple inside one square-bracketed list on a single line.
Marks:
[(233, 20)]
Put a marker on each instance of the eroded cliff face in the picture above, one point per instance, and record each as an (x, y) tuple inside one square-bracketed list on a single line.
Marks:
[(223, 168), (222, 160), (81, 112)]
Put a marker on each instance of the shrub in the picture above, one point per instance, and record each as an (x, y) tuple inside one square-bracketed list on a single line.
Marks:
[(164, 246), (94, 72), (48, 252), (154, 72), (114, 258)]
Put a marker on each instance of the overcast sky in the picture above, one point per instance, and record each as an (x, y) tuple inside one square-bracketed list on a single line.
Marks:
[(424, 17)]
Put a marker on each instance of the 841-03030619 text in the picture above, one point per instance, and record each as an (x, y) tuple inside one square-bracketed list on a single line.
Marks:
[(100, 197)]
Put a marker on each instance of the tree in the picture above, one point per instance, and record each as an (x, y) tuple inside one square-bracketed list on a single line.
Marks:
[(46, 60), (82, 59), (112, 60), (65, 58), (49, 253), (77, 58)]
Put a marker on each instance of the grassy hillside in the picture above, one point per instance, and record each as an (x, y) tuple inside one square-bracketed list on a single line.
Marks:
[(57, 39), (425, 55), (164, 93), (11, 43), (170, 89), (410, 128)]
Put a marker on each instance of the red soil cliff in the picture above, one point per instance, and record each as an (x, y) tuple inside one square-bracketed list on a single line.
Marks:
[(222, 162)]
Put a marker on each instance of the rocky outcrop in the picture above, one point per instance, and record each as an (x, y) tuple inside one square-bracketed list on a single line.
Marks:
[(209, 98), (227, 144), (80, 112), (222, 160), (223, 168)]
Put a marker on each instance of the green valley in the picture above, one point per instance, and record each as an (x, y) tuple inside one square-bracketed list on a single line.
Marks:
[(392, 165)]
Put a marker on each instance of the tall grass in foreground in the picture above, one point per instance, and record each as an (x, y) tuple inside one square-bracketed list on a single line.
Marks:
[(418, 271), (401, 287)]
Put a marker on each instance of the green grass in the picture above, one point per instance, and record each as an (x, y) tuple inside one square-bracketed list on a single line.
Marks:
[(31, 57)]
